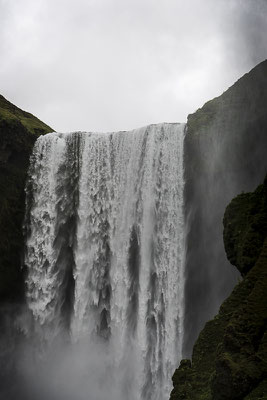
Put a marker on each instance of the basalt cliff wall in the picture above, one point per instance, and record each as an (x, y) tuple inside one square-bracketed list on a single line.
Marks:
[(225, 154), (18, 132)]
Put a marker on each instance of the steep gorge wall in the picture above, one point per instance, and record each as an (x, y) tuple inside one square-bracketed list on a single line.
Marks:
[(229, 359), (225, 154), (18, 132)]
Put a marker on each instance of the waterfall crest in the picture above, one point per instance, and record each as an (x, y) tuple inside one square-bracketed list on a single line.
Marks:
[(105, 249)]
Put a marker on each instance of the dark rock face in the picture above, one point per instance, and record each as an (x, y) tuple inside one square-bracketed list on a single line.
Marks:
[(229, 359), (244, 237), (18, 132), (225, 154)]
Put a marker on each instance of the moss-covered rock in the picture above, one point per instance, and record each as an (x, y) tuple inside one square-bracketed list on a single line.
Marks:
[(182, 381), (229, 359), (243, 245), (18, 132)]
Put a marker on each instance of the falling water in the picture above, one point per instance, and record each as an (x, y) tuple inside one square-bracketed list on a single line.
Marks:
[(105, 250)]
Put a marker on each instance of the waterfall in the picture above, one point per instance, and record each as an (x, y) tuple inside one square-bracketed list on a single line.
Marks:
[(105, 251)]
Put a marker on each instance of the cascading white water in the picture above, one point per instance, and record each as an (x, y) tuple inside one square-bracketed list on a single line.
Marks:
[(105, 249)]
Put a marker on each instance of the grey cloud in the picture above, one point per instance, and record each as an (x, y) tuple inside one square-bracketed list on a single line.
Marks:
[(113, 64)]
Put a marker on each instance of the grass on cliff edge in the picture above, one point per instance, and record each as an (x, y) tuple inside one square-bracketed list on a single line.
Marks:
[(10, 113)]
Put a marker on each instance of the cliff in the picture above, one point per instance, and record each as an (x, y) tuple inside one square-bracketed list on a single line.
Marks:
[(230, 356), (225, 154), (18, 132)]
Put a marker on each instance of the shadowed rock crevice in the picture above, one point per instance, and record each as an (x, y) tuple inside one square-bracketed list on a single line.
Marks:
[(133, 291)]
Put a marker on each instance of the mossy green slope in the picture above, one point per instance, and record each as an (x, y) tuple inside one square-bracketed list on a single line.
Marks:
[(18, 132), (230, 356), (13, 115)]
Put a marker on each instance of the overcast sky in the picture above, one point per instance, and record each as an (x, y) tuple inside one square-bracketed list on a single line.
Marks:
[(105, 65)]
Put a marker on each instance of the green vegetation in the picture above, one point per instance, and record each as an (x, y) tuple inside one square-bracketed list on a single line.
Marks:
[(230, 356), (12, 115), (18, 132), (244, 236)]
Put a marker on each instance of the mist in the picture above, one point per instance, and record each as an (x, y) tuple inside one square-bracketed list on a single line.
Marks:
[(35, 369), (84, 371)]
